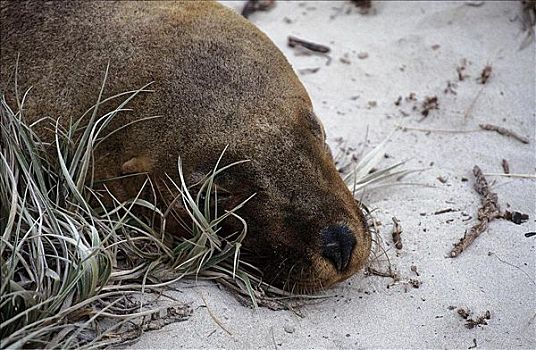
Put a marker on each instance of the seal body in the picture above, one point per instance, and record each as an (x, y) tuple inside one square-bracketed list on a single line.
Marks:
[(218, 81)]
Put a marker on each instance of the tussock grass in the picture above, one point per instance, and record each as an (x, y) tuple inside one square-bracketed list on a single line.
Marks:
[(69, 263), (360, 173)]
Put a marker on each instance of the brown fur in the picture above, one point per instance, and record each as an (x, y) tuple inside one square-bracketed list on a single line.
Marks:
[(218, 81)]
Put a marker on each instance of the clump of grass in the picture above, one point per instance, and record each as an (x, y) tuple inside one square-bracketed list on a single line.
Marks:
[(69, 262), (364, 172), (58, 249)]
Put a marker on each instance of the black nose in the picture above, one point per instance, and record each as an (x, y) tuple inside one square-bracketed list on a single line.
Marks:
[(338, 243)]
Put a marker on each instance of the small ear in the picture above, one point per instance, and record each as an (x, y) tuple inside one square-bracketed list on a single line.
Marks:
[(141, 164)]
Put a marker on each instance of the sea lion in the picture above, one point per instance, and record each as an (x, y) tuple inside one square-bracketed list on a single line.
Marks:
[(218, 81)]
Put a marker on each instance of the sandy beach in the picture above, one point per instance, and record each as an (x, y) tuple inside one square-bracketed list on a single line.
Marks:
[(381, 68)]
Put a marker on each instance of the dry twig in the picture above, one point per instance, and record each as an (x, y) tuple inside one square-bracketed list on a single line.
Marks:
[(519, 176), (487, 213), (306, 71), (397, 230), (443, 211), (448, 131), (504, 131), (506, 166), (252, 6), (295, 42), (390, 273)]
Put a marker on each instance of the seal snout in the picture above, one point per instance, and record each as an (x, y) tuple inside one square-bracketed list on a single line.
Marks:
[(338, 242)]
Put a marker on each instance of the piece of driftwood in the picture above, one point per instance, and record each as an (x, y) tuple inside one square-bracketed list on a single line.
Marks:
[(295, 42), (504, 131), (488, 212)]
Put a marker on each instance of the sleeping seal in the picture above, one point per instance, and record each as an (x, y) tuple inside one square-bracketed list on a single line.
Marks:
[(218, 81)]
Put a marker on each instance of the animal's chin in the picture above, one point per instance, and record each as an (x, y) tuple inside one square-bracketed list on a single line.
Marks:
[(310, 276), (325, 276)]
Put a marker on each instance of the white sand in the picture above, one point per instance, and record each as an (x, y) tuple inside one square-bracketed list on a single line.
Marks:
[(497, 273)]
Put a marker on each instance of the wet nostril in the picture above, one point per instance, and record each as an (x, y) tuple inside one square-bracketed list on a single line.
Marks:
[(338, 243)]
